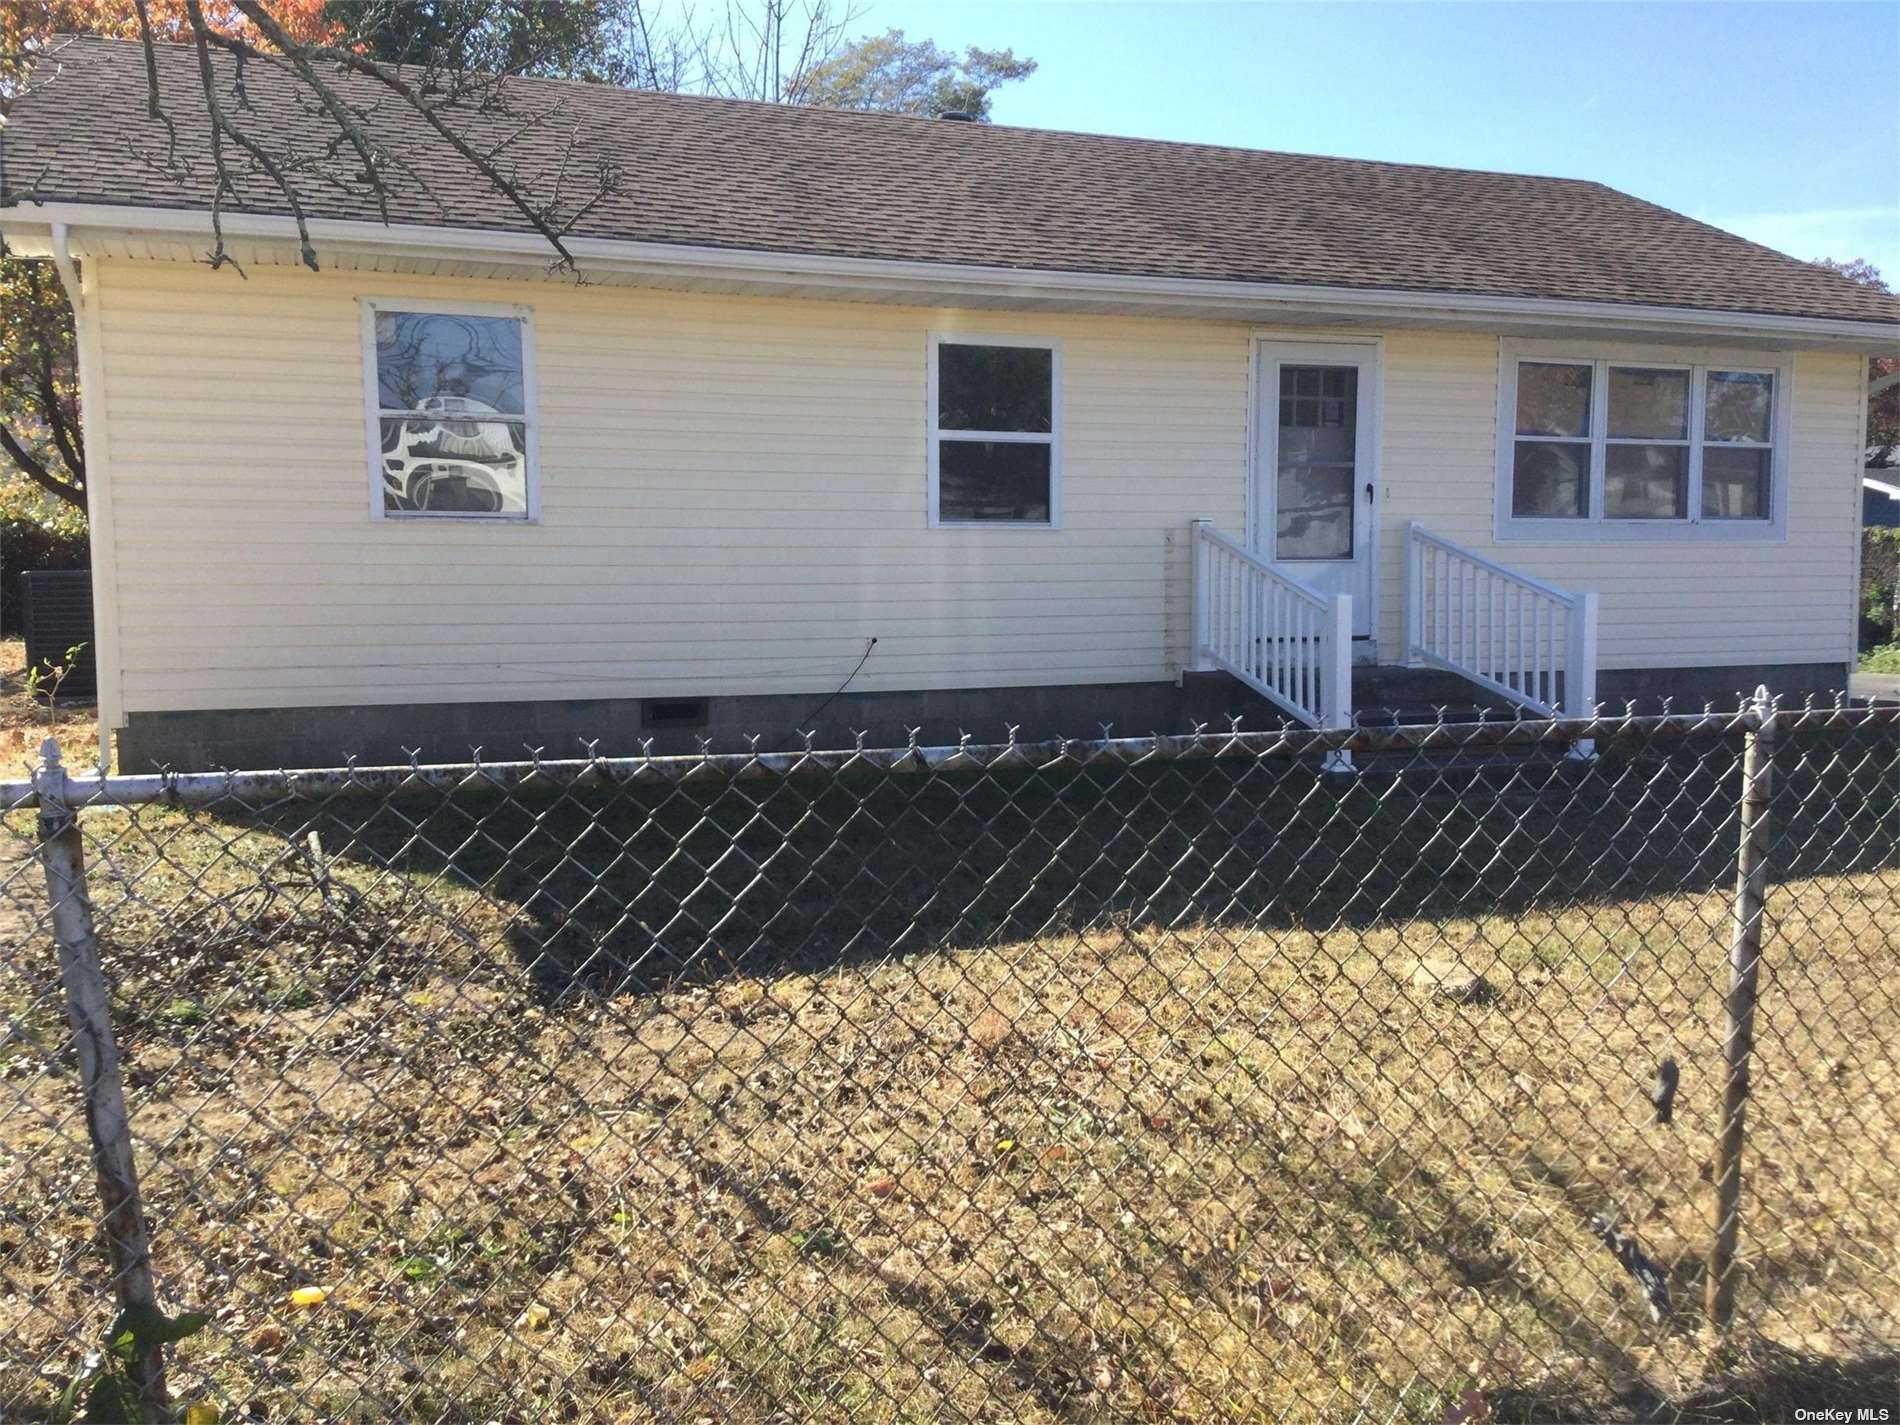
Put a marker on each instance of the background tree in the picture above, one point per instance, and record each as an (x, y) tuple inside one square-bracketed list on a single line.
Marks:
[(890, 73), (39, 387), (600, 41)]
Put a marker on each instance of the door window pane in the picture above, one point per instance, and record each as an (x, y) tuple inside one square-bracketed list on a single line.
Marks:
[(1646, 482), (1550, 480), (1648, 405), (1314, 509), (993, 480), (999, 388), (1734, 484), (1314, 492), (1738, 405), (1552, 399)]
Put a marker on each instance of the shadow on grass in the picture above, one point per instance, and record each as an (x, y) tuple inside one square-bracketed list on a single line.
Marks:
[(1766, 1384), (637, 887)]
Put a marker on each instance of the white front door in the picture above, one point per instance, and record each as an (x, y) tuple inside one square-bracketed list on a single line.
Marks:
[(1315, 481)]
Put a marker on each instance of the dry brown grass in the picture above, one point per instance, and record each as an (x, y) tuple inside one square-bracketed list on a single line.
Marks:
[(24, 722), (1207, 1170)]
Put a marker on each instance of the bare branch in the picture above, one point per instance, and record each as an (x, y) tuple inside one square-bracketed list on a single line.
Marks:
[(153, 108), (366, 150), (500, 181)]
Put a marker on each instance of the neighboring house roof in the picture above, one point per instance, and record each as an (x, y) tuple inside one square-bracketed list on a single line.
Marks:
[(766, 177), (1880, 498)]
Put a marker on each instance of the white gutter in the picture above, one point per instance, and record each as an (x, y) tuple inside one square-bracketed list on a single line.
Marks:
[(958, 280), (63, 265)]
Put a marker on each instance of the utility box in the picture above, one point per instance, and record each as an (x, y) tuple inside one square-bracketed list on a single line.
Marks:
[(56, 612)]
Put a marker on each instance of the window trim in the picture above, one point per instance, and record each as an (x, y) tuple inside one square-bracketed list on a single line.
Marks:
[(373, 408), (933, 435), (1595, 527)]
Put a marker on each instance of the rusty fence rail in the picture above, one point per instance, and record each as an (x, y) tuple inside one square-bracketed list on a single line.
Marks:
[(1528, 1070)]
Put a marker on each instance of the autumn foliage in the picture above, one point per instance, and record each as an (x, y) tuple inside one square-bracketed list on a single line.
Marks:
[(26, 25)]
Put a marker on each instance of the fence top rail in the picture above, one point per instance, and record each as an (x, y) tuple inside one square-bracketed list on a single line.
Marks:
[(321, 783), (1418, 532)]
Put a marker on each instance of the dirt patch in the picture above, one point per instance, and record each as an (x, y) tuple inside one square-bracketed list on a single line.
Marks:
[(24, 721)]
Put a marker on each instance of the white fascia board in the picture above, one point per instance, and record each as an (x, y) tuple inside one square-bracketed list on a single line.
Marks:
[(934, 281)]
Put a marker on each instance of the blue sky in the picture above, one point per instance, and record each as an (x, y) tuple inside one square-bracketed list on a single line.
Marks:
[(1778, 121)]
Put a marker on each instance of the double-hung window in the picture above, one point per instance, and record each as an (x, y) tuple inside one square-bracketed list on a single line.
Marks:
[(995, 431), (1605, 446), (450, 391)]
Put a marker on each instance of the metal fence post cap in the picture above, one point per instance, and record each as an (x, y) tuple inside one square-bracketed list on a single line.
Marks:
[(49, 781)]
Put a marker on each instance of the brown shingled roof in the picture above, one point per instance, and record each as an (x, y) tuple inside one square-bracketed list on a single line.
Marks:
[(722, 173)]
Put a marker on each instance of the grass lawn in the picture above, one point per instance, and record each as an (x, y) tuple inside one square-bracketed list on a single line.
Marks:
[(1044, 1100)]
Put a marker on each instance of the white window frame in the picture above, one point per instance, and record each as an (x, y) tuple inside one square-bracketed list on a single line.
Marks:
[(1052, 438), (1595, 526), (374, 414)]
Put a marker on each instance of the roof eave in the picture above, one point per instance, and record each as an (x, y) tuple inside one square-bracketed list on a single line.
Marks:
[(889, 279)]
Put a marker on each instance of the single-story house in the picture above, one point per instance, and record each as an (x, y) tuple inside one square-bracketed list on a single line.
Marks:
[(880, 422)]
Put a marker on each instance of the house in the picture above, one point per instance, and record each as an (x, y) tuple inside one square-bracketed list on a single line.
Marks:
[(1880, 497), (865, 421)]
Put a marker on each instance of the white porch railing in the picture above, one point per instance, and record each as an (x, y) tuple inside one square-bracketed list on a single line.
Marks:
[(1520, 637), (1285, 640)]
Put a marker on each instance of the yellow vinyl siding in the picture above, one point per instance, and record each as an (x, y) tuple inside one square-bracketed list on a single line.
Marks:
[(733, 501), (1664, 604)]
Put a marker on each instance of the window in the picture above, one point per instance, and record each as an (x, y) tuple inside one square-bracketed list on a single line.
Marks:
[(1602, 447), (1316, 488), (995, 427), (450, 391)]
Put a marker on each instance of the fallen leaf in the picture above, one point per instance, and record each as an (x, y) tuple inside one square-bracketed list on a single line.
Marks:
[(1005, 1145), (267, 1339), (310, 1296), (881, 1187), (535, 1318), (201, 1412)]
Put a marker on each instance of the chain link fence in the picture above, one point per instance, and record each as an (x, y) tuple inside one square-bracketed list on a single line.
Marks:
[(1527, 1071)]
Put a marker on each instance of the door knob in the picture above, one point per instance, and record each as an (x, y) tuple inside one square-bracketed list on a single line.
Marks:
[(1368, 490)]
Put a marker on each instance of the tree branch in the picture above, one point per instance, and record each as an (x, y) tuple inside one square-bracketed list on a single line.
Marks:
[(268, 27), (35, 470)]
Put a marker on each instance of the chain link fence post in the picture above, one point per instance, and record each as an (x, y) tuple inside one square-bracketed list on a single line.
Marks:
[(108, 1126), (1751, 887)]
